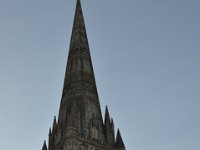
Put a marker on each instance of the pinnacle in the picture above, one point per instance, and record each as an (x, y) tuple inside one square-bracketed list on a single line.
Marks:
[(112, 123), (119, 142), (50, 131), (107, 116), (54, 121), (44, 146), (54, 124)]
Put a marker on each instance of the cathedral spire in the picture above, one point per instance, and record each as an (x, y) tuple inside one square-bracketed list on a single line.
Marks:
[(80, 124), (79, 65), (80, 97)]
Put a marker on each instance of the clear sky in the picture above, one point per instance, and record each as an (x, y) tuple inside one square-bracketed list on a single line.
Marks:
[(146, 58)]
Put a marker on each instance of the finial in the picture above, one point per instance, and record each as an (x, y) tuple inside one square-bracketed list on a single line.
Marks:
[(112, 123), (49, 131), (119, 142), (107, 116), (54, 124), (44, 146), (54, 120), (107, 112)]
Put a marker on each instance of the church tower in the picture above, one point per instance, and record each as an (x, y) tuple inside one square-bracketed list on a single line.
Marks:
[(80, 125)]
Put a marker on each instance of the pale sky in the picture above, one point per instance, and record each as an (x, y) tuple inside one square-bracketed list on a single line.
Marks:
[(146, 58)]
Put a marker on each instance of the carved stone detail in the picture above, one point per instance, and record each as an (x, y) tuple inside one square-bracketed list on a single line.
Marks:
[(80, 88)]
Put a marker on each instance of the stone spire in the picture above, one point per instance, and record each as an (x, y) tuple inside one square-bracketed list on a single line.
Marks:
[(79, 65), (80, 124), (80, 103)]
